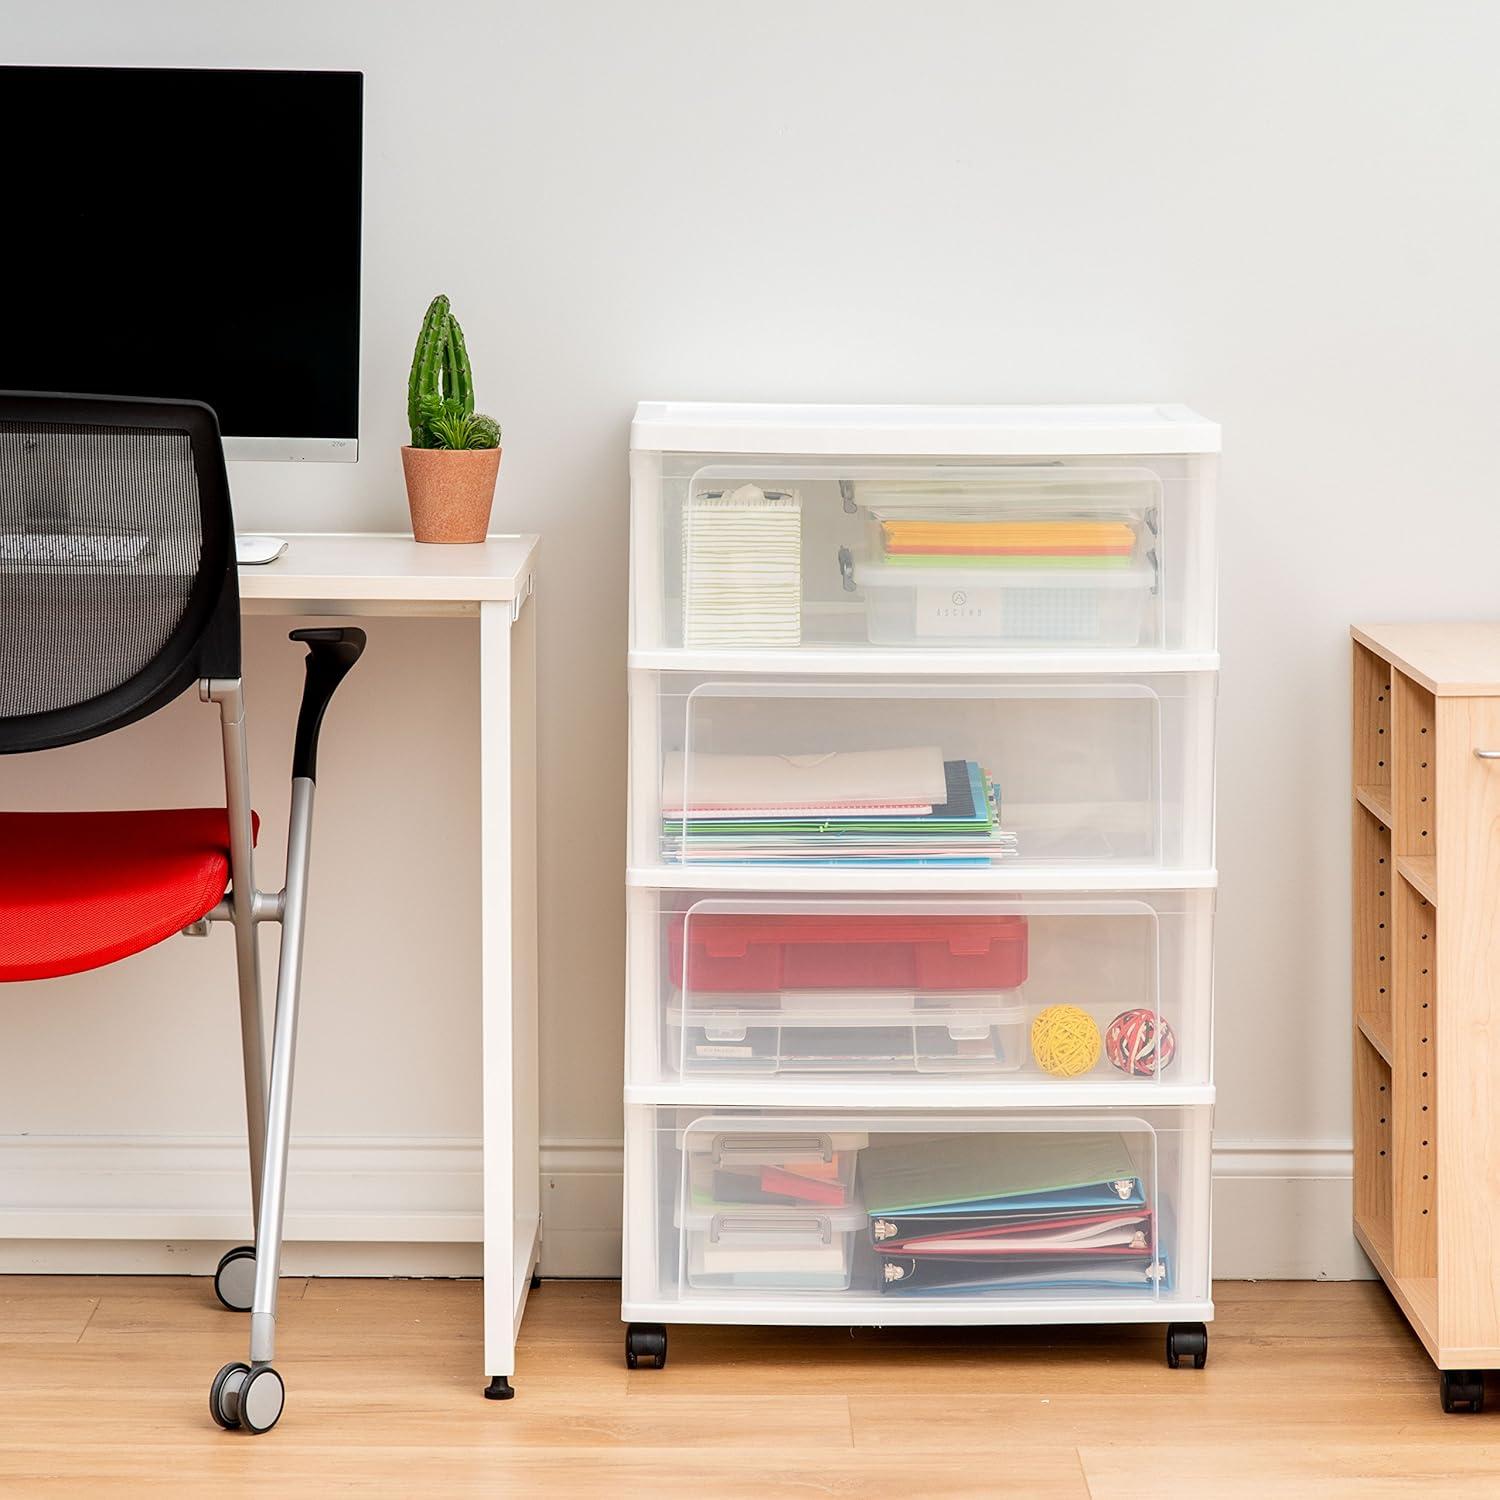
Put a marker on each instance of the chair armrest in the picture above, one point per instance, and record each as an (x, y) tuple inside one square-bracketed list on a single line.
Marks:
[(331, 652)]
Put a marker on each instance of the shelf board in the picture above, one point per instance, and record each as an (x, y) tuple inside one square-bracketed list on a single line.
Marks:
[(920, 661), (1416, 1295), (1001, 879), (1377, 1031), (1377, 800), (1419, 871)]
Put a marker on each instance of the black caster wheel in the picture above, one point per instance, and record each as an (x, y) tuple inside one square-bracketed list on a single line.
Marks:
[(224, 1394), (234, 1280), (536, 1280), (645, 1341), (261, 1400), (499, 1389), (1187, 1341), (1461, 1390)]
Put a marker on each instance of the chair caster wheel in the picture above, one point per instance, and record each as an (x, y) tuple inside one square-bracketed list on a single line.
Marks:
[(262, 1399), (1461, 1390), (234, 1280), (252, 1397), (1187, 1341), (224, 1394), (645, 1341)]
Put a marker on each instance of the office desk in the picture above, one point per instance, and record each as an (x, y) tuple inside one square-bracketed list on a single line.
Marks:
[(359, 575)]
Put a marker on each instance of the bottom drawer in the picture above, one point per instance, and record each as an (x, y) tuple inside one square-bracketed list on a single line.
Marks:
[(742, 1215)]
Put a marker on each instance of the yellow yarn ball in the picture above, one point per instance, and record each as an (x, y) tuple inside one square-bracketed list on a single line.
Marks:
[(1065, 1040)]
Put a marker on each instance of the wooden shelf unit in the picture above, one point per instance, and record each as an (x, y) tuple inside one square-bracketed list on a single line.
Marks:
[(1426, 978)]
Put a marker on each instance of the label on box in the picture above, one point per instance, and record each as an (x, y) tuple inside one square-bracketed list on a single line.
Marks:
[(956, 612), (721, 1049)]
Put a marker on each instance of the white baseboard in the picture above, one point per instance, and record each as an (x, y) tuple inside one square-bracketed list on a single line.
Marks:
[(410, 1207)]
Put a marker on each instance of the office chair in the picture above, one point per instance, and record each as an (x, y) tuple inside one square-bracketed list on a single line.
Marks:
[(118, 591)]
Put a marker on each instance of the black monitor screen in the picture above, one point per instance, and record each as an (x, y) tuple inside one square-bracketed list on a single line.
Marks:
[(186, 233)]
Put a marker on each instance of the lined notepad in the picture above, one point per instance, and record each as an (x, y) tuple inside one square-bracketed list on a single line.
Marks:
[(742, 568)]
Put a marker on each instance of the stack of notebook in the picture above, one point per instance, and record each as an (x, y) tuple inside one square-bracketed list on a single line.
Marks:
[(742, 568), (1009, 1212), (1007, 544), (889, 807)]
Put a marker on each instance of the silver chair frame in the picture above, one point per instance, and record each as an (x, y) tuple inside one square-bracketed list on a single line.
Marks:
[(268, 1094)]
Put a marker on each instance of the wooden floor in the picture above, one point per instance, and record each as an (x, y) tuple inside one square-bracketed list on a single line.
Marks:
[(1313, 1389)]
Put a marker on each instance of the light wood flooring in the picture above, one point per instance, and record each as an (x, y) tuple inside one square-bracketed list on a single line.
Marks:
[(1312, 1389)]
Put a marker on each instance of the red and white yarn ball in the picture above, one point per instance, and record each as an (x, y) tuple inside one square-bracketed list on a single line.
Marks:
[(1137, 1044)]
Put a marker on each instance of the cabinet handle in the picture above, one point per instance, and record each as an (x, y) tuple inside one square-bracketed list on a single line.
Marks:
[(1487, 755)]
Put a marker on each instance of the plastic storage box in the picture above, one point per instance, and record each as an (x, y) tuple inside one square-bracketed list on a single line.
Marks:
[(774, 1209), (825, 1032), (1031, 557), (886, 948), (970, 607)]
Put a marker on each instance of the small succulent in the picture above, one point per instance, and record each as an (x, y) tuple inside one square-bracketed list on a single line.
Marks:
[(440, 391)]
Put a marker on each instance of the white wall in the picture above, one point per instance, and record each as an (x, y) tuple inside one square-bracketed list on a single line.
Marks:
[(1282, 213)]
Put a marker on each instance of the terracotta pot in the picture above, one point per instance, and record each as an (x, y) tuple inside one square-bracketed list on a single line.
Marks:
[(450, 492)]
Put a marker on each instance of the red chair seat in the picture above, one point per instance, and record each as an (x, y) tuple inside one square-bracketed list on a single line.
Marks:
[(79, 890)]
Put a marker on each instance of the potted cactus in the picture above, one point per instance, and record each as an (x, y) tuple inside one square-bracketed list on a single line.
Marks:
[(454, 456)]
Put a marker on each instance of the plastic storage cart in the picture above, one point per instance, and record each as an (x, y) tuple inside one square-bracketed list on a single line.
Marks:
[(921, 868)]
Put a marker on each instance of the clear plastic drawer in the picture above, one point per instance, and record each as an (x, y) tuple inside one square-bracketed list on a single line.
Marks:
[(922, 773), (1044, 552), (1046, 990), (894, 1216)]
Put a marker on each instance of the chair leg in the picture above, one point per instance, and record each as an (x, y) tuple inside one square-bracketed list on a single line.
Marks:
[(252, 1398), (231, 701)]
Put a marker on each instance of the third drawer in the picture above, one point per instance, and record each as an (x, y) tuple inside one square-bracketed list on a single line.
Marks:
[(1045, 990)]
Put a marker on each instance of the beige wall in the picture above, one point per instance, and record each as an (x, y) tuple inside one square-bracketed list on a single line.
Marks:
[(1276, 214)]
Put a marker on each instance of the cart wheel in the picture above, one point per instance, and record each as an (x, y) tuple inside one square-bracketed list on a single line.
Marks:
[(536, 1280), (645, 1341), (1461, 1390), (1187, 1340)]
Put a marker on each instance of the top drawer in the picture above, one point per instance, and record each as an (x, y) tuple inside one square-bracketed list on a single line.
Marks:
[(1044, 552)]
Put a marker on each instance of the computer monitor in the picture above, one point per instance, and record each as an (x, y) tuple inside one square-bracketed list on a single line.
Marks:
[(188, 233)]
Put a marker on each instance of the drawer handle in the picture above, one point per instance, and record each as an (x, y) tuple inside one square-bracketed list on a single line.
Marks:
[(819, 1226), (1487, 755), (773, 1146)]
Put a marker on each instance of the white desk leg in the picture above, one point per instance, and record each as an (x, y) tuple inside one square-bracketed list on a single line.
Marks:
[(508, 979)]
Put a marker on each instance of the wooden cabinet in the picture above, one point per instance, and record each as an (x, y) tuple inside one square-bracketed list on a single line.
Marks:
[(1426, 984)]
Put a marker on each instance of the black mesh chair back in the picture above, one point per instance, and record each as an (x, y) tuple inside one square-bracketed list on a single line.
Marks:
[(117, 568)]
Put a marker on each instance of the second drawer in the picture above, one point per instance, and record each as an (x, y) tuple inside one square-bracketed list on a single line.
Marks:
[(1034, 989)]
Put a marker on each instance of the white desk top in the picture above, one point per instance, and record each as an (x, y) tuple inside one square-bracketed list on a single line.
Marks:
[(328, 567)]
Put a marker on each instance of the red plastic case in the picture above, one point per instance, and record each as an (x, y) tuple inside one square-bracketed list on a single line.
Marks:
[(729, 952)]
